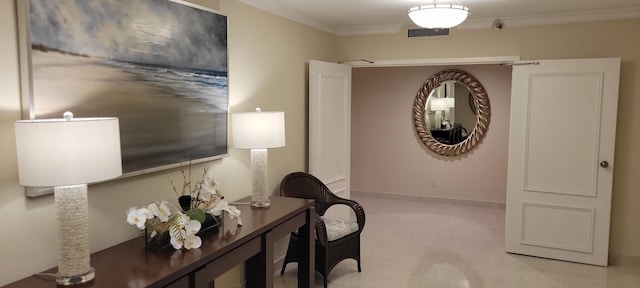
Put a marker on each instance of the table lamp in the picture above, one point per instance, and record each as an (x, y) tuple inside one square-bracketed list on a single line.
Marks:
[(450, 102), (67, 154), (258, 131), (437, 105)]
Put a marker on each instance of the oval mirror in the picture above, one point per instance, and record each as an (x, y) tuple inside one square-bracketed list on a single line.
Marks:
[(451, 112)]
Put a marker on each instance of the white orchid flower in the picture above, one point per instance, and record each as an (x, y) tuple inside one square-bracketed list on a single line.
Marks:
[(192, 242), (137, 217), (210, 183), (234, 213), (164, 211), (177, 243), (217, 209), (153, 209), (187, 237), (131, 210), (146, 212), (205, 195), (223, 206), (192, 227)]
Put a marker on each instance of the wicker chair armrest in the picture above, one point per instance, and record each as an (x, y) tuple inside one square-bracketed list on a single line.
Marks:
[(357, 209), (321, 231)]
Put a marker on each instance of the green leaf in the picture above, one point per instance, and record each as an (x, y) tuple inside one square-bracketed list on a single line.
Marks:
[(196, 214)]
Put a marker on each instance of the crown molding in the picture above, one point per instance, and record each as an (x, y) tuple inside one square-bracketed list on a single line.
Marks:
[(369, 30), (582, 17), (277, 8)]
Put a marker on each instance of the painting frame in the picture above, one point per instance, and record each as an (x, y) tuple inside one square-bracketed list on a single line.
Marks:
[(173, 90)]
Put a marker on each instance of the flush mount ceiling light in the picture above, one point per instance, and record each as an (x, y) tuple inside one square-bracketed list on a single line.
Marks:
[(438, 15)]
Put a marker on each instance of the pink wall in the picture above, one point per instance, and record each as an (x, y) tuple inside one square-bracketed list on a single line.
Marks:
[(387, 157)]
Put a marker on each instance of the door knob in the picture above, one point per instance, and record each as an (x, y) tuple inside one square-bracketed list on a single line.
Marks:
[(604, 164)]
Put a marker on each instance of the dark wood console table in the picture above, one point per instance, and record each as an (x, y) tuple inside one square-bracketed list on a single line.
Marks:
[(129, 264)]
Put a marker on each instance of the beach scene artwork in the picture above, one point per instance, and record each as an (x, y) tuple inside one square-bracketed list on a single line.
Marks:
[(159, 66)]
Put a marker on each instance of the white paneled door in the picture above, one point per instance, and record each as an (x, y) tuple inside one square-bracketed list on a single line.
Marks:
[(561, 153), (330, 128)]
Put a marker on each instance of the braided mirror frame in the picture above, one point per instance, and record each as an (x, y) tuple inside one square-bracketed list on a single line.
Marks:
[(481, 101)]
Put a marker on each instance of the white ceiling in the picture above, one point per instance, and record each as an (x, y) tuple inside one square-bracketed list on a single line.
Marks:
[(352, 17)]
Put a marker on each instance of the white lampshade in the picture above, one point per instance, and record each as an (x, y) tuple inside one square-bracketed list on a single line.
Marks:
[(438, 104), (450, 102), (258, 130), (438, 15), (56, 152)]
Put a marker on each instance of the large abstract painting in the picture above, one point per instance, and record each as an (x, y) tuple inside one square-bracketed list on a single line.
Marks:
[(159, 66)]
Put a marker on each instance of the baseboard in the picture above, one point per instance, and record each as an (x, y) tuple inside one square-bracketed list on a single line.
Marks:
[(617, 259), (473, 203)]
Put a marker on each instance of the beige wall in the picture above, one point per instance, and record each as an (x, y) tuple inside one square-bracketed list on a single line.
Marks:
[(387, 156), (267, 57), (590, 40)]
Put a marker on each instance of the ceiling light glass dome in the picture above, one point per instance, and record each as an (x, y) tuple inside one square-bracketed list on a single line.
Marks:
[(438, 15)]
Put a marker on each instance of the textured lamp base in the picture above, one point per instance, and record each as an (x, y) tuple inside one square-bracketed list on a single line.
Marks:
[(259, 195), (73, 235), (260, 204), (75, 280)]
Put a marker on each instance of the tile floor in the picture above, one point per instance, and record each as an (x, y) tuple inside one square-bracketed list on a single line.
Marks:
[(422, 244)]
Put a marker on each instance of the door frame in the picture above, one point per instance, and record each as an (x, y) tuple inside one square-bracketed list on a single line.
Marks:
[(508, 60), (504, 60)]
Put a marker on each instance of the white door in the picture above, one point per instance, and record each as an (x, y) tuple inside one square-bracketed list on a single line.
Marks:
[(561, 148), (330, 128)]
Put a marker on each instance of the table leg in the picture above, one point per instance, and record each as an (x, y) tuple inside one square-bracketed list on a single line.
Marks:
[(306, 266), (257, 268)]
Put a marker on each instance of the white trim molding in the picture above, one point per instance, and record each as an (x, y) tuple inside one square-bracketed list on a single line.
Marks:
[(419, 198), (369, 30), (437, 61), (568, 18), (285, 11)]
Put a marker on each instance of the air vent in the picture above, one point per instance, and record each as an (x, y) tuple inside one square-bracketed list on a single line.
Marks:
[(425, 32)]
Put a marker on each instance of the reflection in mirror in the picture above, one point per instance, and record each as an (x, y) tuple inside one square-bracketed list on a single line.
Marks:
[(451, 112), (448, 112)]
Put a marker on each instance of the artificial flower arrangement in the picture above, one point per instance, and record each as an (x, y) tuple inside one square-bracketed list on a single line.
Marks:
[(201, 205)]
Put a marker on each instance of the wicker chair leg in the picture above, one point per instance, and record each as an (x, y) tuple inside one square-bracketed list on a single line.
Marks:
[(292, 254), (284, 265)]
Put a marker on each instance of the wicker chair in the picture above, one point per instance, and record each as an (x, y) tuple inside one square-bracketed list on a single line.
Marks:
[(329, 251)]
